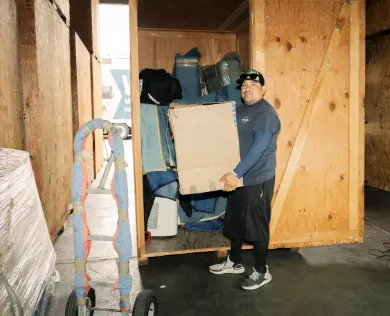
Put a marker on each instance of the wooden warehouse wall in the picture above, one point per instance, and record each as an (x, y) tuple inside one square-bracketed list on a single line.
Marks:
[(82, 94), (97, 109), (312, 55), (46, 82), (10, 88), (158, 48), (378, 95), (84, 19), (243, 46), (63, 9), (378, 16)]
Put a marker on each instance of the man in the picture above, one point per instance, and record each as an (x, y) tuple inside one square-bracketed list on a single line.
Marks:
[(248, 209)]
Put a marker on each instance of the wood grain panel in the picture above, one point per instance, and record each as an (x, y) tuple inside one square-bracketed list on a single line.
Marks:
[(147, 52), (64, 9), (186, 242), (47, 99), (356, 76), (10, 85), (317, 173), (84, 20), (362, 90), (377, 169), (291, 57), (189, 14), (378, 16), (157, 49), (243, 47), (97, 108), (82, 94), (136, 129)]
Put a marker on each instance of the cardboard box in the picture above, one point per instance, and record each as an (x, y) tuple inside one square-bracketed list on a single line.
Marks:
[(206, 143)]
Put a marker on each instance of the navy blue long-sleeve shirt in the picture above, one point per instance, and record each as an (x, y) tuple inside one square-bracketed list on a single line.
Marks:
[(258, 128)]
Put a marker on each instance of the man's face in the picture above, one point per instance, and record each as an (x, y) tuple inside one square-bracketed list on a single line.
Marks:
[(251, 91)]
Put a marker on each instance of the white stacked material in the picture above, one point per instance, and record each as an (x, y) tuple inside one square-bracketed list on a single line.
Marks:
[(27, 256)]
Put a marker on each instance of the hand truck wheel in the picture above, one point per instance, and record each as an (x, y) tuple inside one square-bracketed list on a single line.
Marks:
[(71, 305), (145, 304)]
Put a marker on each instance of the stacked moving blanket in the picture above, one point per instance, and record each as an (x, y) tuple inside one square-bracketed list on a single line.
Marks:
[(27, 257), (201, 212)]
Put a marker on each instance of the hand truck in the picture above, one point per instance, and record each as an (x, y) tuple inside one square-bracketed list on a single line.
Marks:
[(82, 300)]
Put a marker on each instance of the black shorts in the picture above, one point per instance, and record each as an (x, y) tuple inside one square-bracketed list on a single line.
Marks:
[(248, 212)]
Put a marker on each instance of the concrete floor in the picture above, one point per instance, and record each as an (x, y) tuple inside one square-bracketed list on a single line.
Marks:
[(334, 280)]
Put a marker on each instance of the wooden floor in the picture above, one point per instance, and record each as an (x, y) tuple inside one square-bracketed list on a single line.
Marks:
[(187, 242)]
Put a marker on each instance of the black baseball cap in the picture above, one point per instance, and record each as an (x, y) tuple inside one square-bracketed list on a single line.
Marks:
[(251, 75)]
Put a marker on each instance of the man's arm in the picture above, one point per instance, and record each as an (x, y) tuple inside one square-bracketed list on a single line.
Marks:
[(265, 128), (256, 151)]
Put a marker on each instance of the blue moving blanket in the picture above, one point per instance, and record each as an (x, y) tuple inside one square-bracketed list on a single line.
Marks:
[(214, 225), (159, 161), (187, 71), (229, 93)]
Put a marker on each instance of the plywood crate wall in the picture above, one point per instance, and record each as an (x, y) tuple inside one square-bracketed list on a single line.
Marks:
[(11, 116), (378, 16), (158, 48), (47, 105), (85, 22), (97, 109), (82, 94), (377, 167), (312, 54), (313, 58), (63, 9)]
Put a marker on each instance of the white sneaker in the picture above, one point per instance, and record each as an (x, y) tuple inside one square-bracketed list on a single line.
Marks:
[(256, 280), (227, 267)]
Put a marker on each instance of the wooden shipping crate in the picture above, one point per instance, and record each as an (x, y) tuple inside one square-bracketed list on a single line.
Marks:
[(47, 105), (63, 9), (377, 165), (97, 112), (312, 54), (82, 94), (378, 16), (85, 21), (11, 117)]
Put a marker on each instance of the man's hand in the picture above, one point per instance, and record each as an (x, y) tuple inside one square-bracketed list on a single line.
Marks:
[(231, 182)]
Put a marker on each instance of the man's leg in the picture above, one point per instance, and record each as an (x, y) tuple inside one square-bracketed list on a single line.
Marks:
[(235, 251), (261, 254), (232, 264), (260, 275)]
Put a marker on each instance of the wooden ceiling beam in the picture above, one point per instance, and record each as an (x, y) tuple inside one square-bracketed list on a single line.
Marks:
[(244, 23), (234, 16)]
